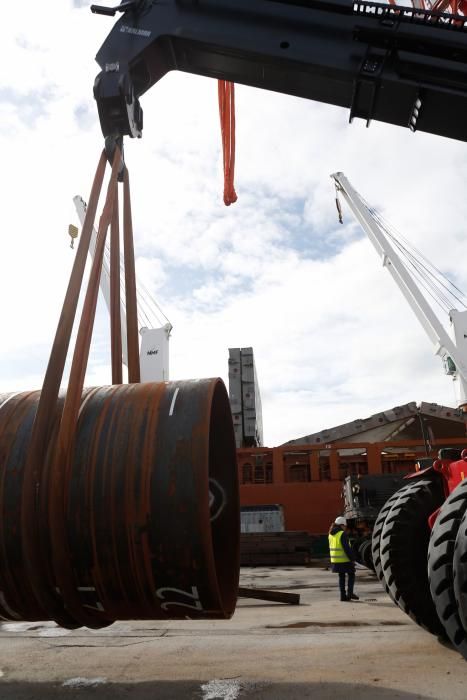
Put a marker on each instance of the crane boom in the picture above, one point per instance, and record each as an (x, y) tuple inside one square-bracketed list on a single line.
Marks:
[(401, 65), (445, 347)]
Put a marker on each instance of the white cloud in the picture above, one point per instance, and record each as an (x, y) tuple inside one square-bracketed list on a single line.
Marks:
[(334, 339)]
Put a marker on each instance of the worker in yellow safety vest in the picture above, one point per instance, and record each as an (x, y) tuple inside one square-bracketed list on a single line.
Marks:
[(342, 558)]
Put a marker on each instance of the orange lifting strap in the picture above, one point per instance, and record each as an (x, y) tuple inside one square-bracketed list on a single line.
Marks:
[(227, 116), (50, 404)]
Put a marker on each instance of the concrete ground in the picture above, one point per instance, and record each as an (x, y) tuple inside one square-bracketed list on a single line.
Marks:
[(320, 649)]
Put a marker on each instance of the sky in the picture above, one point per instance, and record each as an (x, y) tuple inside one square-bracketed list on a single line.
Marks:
[(334, 340)]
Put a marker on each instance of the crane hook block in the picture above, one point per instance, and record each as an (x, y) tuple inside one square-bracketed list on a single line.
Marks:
[(119, 109)]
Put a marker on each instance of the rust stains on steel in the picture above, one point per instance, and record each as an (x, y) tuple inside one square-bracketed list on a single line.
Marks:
[(44, 420), (130, 284), (61, 464), (115, 315), (151, 506), (118, 502)]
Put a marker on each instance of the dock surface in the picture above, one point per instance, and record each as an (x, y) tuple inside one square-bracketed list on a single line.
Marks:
[(320, 649)]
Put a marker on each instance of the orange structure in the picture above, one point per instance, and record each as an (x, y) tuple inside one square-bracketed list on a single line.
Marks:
[(451, 6), (307, 479)]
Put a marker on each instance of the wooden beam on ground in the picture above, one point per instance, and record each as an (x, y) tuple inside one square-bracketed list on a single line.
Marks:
[(275, 596)]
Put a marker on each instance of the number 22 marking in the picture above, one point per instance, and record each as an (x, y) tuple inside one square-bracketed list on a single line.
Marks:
[(193, 596)]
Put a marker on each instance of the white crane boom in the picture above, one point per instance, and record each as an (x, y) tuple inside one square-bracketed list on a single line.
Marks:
[(154, 347), (452, 352)]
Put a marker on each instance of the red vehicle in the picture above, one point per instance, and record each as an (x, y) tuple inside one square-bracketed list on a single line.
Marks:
[(419, 547)]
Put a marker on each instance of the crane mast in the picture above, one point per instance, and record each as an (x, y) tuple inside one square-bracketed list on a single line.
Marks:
[(154, 345), (453, 352)]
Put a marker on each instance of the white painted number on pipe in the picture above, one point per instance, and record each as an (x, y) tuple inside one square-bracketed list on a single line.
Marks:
[(193, 596), (174, 398), (217, 499)]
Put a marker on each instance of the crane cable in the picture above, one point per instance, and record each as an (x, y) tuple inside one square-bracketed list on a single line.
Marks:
[(428, 274), (150, 313), (436, 284)]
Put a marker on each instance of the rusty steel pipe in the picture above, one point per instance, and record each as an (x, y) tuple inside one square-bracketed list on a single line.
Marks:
[(151, 507)]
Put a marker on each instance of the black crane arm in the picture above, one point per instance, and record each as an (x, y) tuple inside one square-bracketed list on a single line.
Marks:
[(398, 65)]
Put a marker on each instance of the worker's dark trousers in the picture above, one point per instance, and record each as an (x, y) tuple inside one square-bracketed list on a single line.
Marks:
[(351, 581)]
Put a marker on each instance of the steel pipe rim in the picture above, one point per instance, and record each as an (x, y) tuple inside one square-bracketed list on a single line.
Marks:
[(152, 512)]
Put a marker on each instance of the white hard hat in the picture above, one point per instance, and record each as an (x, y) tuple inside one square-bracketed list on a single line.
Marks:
[(341, 520)]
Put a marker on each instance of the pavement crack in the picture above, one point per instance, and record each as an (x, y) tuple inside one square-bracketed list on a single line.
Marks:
[(101, 646)]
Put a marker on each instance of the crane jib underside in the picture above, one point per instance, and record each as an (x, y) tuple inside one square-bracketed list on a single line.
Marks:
[(398, 65)]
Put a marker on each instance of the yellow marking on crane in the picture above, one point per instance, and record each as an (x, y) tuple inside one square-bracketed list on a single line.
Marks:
[(73, 232)]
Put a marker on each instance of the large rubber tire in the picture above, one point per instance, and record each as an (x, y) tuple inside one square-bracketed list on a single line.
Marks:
[(365, 554), (356, 548), (404, 551), (441, 569), (377, 530), (460, 570), (359, 547)]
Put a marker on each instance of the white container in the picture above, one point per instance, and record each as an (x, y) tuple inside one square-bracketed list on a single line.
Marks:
[(262, 518)]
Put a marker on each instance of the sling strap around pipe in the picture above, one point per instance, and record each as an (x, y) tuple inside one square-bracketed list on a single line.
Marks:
[(34, 530), (130, 285), (115, 307), (61, 465), (116, 502)]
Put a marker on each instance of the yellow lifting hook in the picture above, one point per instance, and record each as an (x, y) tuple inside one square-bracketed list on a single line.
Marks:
[(73, 233)]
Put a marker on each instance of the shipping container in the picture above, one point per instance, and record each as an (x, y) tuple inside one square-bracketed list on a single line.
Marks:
[(264, 518)]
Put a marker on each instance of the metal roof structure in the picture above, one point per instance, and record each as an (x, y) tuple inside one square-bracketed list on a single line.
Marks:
[(411, 421)]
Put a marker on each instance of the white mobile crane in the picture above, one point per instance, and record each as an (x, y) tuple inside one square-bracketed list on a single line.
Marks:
[(453, 351), (154, 346)]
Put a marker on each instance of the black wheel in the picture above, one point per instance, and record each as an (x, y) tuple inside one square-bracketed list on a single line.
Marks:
[(365, 554), (404, 551), (368, 557), (460, 569), (356, 548), (441, 569), (377, 530)]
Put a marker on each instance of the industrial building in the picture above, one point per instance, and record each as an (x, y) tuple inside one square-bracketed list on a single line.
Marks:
[(305, 475)]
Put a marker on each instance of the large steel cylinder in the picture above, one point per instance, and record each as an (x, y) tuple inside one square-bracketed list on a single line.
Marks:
[(151, 505)]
